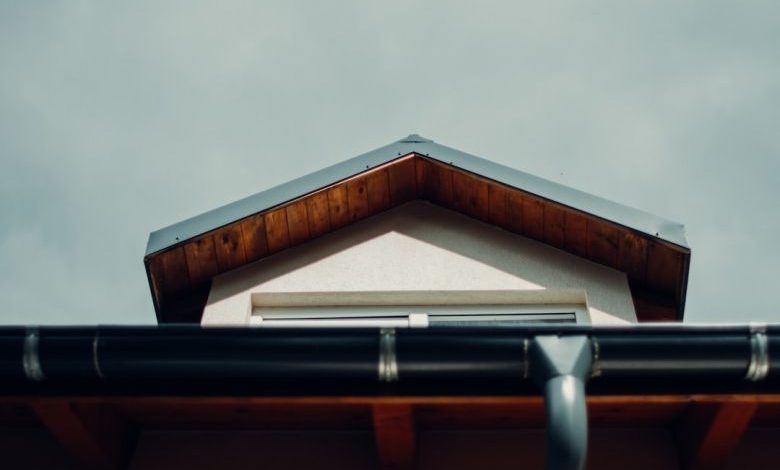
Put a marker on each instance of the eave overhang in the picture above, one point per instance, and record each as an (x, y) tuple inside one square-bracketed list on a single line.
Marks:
[(181, 259)]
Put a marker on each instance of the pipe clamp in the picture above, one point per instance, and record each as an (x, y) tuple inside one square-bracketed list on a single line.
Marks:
[(388, 364), (31, 361), (758, 368)]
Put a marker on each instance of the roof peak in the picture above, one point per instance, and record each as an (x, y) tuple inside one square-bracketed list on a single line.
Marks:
[(414, 139)]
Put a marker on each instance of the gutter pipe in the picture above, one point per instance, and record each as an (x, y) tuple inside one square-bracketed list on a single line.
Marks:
[(559, 359)]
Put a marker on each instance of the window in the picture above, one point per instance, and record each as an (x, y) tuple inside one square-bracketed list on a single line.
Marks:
[(291, 314)]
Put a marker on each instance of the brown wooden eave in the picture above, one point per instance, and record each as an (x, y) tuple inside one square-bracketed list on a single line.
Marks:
[(180, 275)]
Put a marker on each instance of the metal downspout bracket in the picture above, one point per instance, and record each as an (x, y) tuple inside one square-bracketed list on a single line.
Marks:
[(560, 366)]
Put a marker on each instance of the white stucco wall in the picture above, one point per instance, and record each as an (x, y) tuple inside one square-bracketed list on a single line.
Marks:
[(424, 248)]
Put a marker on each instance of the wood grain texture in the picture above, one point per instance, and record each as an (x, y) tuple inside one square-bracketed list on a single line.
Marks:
[(378, 188), (254, 236), (664, 268), (229, 247), (632, 256), (357, 196), (554, 223), (514, 212), (297, 222), (427, 180), (338, 206), (95, 436), (533, 218), (575, 237), (201, 259), (470, 195), (651, 306), (497, 204), (276, 230), (156, 273), (395, 435), (403, 180), (176, 277), (603, 243), (444, 189), (708, 433), (319, 214)]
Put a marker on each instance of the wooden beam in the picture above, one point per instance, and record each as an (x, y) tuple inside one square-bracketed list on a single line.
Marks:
[(94, 435), (708, 432), (396, 440)]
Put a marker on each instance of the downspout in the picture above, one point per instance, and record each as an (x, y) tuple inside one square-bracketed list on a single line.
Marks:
[(560, 366)]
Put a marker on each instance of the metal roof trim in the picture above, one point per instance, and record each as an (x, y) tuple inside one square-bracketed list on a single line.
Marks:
[(187, 229), (635, 219)]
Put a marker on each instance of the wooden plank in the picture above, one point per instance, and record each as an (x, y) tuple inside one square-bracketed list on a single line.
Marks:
[(253, 234), (470, 195), (554, 222), (497, 204), (338, 206), (514, 211), (357, 196), (187, 308), (157, 276), (603, 243), (403, 181), (632, 256), (652, 307), (201, 259), (522, 415), (575, 233), (396, 441), (297, 222), (175, 276), (427, 178), (461, 189), (707, 433), (480, 200), (229, 246), (246, 415), (94, 435), (664, 268), (318, 213), (276, 231), (767, 415), (444, 191), (635, 413), (533, 218), (378, 189)]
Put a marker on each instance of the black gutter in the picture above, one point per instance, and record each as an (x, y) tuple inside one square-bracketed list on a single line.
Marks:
[(71, 354), (560, 359)]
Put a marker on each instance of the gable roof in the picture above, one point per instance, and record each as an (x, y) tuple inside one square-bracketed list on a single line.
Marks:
[(181, 259)]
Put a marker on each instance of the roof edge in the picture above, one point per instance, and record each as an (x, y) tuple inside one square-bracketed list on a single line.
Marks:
[(649, 224)]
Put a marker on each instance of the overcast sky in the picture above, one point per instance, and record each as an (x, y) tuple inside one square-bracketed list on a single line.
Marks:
[(116, 120)]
